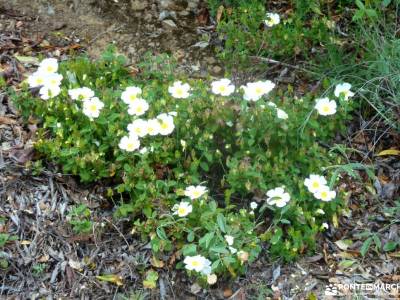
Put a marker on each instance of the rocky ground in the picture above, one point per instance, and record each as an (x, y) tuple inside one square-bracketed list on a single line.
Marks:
[(44, 259)]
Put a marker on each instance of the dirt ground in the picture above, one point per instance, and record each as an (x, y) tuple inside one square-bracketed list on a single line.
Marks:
[(48, 261)]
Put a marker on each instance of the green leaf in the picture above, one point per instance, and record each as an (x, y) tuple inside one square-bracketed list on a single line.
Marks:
[(347, 263), (360, 5), (377, 242), (219, 249), (206, 239), (189, 250), (204, 166), (386, 3), (390, 246), (150, 282), (365, 246), (190, 237), (277, 236), (221, 222), (161, 233)]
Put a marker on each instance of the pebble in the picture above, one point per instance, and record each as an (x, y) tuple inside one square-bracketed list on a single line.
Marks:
[(217, 70), (169, 24), (165, 14), (138, 5)]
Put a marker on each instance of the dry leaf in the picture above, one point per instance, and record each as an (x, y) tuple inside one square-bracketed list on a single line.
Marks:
[(115, 279), (7, 121), (219, 13), (389, 152), (155, 262)]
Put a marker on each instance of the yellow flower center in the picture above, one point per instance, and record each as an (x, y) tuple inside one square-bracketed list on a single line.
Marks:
[(132, 97), (315, 184), (164, 125), (259, 91), (326, 108), (196, 194), (222, 88), (139, 109), (179, 92), (130, 146), (181, 210), (50, 69), (324, 195), (93, 107), (195, 263)]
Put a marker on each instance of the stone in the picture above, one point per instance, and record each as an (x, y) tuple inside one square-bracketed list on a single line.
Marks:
[(169, 24), (138, 5), (217, 70), (165, 14)]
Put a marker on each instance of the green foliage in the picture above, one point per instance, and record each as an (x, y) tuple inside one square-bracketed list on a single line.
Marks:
[(305, 32), (79, 218), (5, 238), (239, 149)]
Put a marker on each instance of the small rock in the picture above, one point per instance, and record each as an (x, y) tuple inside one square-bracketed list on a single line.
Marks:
[(184, 13), (169, 24), (210, 60), (138, 5), (165, 14), (195, 288), (217, 70)]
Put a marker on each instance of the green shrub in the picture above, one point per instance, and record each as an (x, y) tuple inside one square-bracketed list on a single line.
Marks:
[(306, 32), (234, 150)]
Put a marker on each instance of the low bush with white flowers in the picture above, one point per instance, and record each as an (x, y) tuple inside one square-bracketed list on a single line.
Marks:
[(210, 171)]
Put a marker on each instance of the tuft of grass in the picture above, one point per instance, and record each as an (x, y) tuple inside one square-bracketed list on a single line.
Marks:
[(376, 73)]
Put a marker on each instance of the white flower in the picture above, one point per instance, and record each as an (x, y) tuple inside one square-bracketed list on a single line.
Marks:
[(229, 239), (194, 192), (212, 279), (131, 94), (281, 114), (183, 144), (92, 107), (253, 205), (82, 93), (198, 263), (345, 90), (243, 256), (182, 209), (222, 87), (232, 250), (325, 107), (253, 91), (166, 124), (48, 66), (179, 90), (272, 19), (53, 80), (129, 143), (153, 127), (315, 182), (37, 79), (47, 92), (144, 150), (278, 197), (325, 225), (325, 194), (271, 104), (138, 107), (319, 211), (138, 127)]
